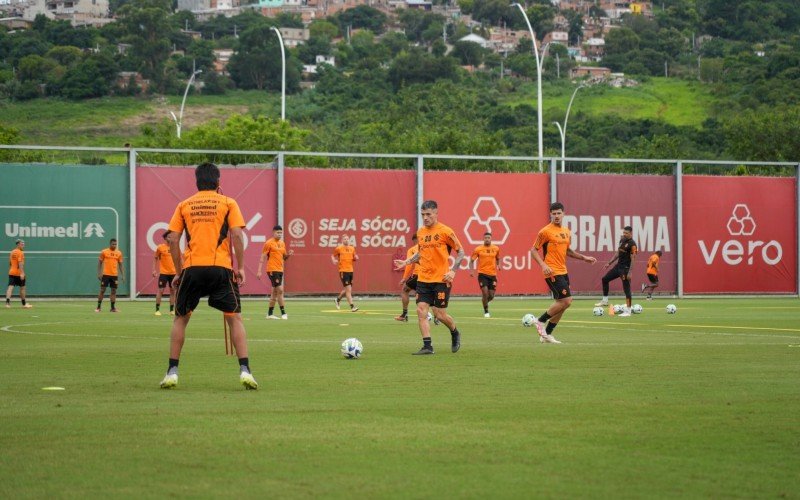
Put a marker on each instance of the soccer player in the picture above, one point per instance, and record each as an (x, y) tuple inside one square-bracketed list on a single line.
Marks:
[(214, 222), (626, 254), (486, 258), (16, 274), (164, 268), (343, 257), (553, 240), (434, 279), (109, 268), (409, 280), (274, 252), (652, 274)]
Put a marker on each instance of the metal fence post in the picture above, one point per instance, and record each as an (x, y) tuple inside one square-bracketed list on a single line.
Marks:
[(132, 219), (679, 222), (553, 180), (420, 188), (281, 180)]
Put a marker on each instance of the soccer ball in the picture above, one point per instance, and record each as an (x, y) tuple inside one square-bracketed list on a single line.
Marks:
[(618, 309), (352, 348), (637, 309), (528, 320), (671, 309), (430, 316), (598, 311)]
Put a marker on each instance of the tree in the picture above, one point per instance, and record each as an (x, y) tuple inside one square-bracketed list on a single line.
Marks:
[(147, 28), (468, 53), (256, 64), (764, 135), (621, 41), (361, 17)]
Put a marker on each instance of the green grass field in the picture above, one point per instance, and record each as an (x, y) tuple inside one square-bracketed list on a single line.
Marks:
[(703, 403)]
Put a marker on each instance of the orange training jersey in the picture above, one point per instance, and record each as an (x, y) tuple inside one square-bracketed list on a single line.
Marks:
[(554, 242), (111, 260), (487, 259), (652, 265), (165, 264), (16, 258), (411, 269), (346, 255), (435, 244), (207, 216), (276, 252)]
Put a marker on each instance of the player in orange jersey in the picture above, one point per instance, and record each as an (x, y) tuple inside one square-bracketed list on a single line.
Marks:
[(435, 277), (487, 257), (652, 274), (213, 224), (16, 274), (409, 279), (164, 269), (343, 257), (274, 252), (553, 240), (109, 270)]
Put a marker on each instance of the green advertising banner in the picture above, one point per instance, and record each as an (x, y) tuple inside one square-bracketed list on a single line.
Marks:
[(66, 214)]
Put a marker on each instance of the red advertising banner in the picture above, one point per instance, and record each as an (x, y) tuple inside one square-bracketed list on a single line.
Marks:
[(160, 189), (598, 206), (513, 207), (741, 238), (378, 207)]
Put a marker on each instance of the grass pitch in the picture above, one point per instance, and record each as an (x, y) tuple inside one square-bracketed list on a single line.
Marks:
[(703, 403)]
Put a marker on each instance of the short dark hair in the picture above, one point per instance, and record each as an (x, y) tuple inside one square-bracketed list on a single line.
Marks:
[(112, 240), (277, 227), (658, 252), (429, 204), (628, 228), (556, 206), (487, 233), (206, 176), (20, 241)]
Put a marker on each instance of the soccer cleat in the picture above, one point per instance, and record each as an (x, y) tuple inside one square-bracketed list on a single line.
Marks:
[(549, 339), (436, 321), (539, 329), (170, 381), (248, 381), (455, 341), (97, 310), (27, 306), (158, 313), (649, 297), (401, 318), (284, 316), (643, 287), (425, 350), (114, 310), (272, 316), (624, 314), (172, 313), (487, 315), (602, 303), (353, 309), (8, 306), (336, 301)]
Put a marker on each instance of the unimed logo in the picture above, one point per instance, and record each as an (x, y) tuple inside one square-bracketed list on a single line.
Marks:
[(733, 252), (34, 230)]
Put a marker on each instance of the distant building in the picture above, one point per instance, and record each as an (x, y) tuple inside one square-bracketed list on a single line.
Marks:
[(472, 37), (590, 71), (77, 12)]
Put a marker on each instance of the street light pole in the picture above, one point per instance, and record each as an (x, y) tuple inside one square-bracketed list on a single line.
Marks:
[(179, 119), (283, 74), (563, 131), (538, 82)]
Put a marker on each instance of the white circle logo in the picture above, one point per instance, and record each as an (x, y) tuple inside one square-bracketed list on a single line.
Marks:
[(297, 228)]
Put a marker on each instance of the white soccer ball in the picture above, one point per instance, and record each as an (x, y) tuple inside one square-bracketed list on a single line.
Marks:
[(671, 309), (598, 311), (352, 348), (430, 316), (637, 309), (618, 309), (528, 320)]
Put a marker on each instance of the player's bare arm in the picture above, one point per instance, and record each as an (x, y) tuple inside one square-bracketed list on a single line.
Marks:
[(545, 268), (155, 265), (450, 275), (288, 254), (575, 255), (610, 262), (237, 237), (473, 264), (174, 242), (400, 264), (260, 265), (100, 269)]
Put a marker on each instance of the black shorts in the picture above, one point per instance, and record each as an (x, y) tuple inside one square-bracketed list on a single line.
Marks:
[(411, 282), (15, 281), (653, 278), (109, 281), (488, 281), (435, 294), (276, 279), (347, 278), (214, 282), (617, 272), (165, 280), (559, 286)]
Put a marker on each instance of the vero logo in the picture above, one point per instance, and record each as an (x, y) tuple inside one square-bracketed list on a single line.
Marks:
[(734, 252)]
